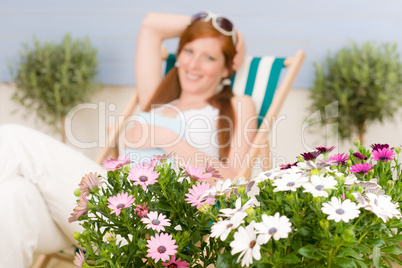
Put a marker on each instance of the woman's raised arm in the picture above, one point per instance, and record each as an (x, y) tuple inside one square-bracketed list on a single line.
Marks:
[(155, 28)]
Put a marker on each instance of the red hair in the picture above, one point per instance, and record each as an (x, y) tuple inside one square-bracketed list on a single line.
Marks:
[(169, 89)]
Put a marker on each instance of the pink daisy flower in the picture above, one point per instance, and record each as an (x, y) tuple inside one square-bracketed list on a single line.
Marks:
[(160, 247), (361, 168), (155, 221), (79, 259), (383, 155), (163, 157), (142, 210), (144, 176), (120, 201), (196, 192), (113, 163), (151, 164), (173, 263), (89, 182), (80, 209), (210, 169), (340, 159), (197, 173)]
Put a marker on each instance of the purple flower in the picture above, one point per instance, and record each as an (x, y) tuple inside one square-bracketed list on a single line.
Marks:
[(383, 155), (340, 159), (287, 166), (323, 149), (377, 146), (310, 155), (361, 168), (359, 156)]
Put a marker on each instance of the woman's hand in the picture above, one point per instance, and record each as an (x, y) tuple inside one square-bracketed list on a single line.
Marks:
[(240, 52)]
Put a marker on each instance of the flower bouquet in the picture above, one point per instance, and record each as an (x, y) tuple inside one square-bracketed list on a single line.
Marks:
[(145, 215), (322, 211)]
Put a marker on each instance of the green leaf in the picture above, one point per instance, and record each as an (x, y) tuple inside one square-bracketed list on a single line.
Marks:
[(346, 263), (163, 205), (377, 257), (392, 249), (308, 251), (297, 243), (364, 249), (376, 242), (225, 260), (264, 265), (291, 258), (345, 252), (361, 264), (394, 239)]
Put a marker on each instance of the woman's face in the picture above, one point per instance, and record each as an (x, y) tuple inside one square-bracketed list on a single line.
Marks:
[(201, 65)]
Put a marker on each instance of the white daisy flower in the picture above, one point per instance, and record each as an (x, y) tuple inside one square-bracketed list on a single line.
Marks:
[(371, 187), (361, 201), (382, 206), (318, 185), (239, 181), (338, 210), (247, 243), (229, 212), (268, 175), (222, 229), (276, 226), (289, 182), (221, 187), (318, 164), (350, 180)]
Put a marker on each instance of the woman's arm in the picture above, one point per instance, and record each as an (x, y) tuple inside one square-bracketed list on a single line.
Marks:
[(155, 28)]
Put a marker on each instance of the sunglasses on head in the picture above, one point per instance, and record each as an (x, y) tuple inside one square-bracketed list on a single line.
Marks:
[(222, 24)]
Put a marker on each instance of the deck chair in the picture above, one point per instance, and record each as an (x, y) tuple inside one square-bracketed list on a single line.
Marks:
[(258, 77)]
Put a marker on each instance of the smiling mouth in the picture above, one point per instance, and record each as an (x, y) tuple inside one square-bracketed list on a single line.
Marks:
[(192, 77)]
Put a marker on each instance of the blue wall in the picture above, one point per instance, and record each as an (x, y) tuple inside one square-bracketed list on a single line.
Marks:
[(269, 27)]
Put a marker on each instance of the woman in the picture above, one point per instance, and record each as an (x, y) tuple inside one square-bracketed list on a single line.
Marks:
[(196, 90), (38, 174)]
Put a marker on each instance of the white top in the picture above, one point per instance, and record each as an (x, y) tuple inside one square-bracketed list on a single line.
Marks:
[(200, 127)]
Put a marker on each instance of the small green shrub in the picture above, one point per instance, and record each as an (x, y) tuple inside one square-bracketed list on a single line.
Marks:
[(367, 83), (53, 78)]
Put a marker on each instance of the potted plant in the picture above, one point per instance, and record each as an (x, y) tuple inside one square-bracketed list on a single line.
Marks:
[(53, 78), (365, 81)]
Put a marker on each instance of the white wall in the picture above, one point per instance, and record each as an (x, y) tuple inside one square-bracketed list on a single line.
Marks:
[(270, 27), (289, 137)]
